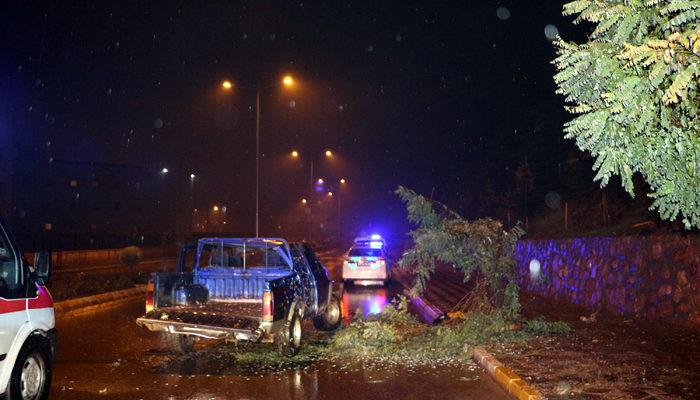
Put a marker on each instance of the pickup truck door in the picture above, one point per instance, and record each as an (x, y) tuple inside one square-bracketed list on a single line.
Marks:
[(323, 281), (302, 268)]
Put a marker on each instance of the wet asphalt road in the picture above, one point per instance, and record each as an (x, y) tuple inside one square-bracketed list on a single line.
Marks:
[(106, 356)]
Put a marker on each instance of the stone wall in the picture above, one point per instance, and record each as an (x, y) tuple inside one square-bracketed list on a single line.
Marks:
[(651, 277)]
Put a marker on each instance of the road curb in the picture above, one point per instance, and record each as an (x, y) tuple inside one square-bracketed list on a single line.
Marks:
[(88, 304), (504, 376)]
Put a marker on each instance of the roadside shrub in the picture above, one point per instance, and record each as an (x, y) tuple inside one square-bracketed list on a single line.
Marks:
[(130, 257)]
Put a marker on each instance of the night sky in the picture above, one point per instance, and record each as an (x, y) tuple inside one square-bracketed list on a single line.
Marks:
[(443, 97)]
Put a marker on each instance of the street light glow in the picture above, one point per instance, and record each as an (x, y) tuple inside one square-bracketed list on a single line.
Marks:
[(227, 85), (288, 81), (330, 194), (215, 208), (320, 181), (342, 181), (192, 176), (295, 154), (329, 153), (303, 201), (164, 170)]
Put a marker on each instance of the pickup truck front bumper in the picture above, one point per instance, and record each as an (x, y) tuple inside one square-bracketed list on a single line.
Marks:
[(208, 332)]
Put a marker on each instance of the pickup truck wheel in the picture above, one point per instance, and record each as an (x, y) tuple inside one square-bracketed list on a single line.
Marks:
[(31, 376), (179, 344), (331, 319), (289, 339)]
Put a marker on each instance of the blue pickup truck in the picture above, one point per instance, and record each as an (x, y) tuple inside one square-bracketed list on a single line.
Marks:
[(241, 289)]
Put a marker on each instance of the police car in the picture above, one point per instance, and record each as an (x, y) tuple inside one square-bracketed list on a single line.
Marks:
[(367, 262), (27, 332)]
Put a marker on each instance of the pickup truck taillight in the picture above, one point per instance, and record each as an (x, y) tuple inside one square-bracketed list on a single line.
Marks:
[(149, 296), (268, 307)]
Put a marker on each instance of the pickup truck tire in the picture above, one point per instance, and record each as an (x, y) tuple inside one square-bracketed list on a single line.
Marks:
[(31, 376), (330, 320), (179, 344), (289, 338)]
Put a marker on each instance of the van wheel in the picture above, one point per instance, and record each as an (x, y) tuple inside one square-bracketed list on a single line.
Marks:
[(31, 376), (331, 319), (179, 344), (289, 338)]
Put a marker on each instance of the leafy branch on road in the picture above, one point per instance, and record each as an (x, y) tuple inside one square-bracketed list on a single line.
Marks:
[(481, 248)]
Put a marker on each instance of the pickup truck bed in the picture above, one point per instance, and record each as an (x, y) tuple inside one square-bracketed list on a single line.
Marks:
[(224, 314), (241, 289)]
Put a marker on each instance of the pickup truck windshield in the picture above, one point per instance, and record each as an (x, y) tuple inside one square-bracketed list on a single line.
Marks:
[(217, 253)]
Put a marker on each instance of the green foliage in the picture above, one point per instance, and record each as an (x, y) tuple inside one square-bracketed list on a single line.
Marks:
[(481, 247), (541, 327), (633, 88), (395, 334)]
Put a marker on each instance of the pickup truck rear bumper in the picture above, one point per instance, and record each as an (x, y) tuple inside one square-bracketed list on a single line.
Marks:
[(209, 332)]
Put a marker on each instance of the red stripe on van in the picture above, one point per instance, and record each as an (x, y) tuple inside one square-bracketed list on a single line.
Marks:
[(10, 306), (44, 299)]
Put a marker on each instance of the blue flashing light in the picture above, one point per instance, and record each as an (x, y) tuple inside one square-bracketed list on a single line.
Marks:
[(376, 236), (375, 245)]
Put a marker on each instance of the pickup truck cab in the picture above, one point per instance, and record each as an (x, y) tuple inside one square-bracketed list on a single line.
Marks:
[(27, 323), (250, 289)]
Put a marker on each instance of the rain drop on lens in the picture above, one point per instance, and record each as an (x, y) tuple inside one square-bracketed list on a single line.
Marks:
[(503, 13), (551, 32)]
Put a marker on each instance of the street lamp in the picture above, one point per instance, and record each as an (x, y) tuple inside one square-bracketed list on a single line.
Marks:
[(342, 181), (295, 153), (289, 83), (164, 171), (329, 153)]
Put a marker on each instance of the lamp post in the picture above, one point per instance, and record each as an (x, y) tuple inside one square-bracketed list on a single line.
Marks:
[(288, 82)]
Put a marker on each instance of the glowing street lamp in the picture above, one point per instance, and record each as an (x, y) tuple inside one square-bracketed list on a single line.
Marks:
[(303, 201), (295, 153), (329, 153), (192, 176), (287, 82), (215, 208), (330, 194), (342, 181), (164, 171), (320, 181)]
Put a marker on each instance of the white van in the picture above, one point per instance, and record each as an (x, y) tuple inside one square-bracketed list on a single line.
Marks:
[(27, 323)]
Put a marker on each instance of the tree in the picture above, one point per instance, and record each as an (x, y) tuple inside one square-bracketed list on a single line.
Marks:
[(633, 87), (482, 248)]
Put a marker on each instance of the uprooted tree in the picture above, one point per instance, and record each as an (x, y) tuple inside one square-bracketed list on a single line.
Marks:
[(481, 249)]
